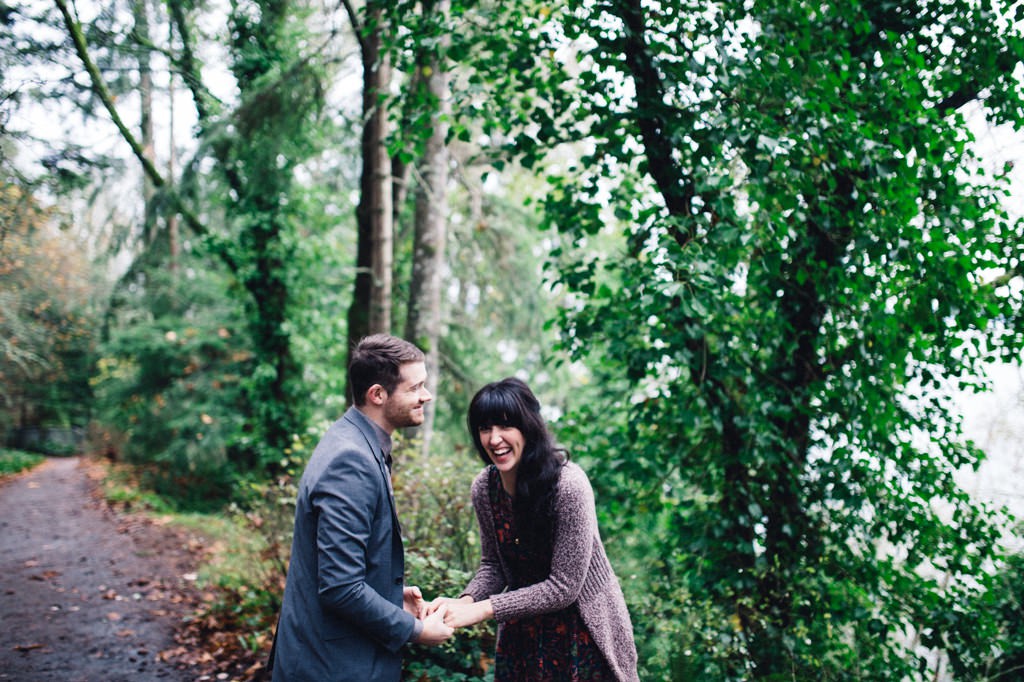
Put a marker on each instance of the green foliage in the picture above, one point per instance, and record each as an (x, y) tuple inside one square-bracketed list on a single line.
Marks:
[(984, 635), (169, 382), (798, 229), (48, 318), (16, 461), (771, 248), (442, 553), (273, 131), (495, 322), (1007, 597), (122, 490), (250, 569), (325, 244)]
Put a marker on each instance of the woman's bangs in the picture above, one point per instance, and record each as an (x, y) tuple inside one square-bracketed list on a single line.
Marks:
[(495, 408)]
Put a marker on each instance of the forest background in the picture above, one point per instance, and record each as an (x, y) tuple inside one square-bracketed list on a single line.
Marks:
[(750, 255)]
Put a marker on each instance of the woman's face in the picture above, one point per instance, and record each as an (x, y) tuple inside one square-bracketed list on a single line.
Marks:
[(504, 445)]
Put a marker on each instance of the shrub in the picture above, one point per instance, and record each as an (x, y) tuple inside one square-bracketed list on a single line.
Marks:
[(14, 461)]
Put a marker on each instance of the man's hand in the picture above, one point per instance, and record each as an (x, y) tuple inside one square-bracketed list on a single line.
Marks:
[(434, 629), (412, 602)]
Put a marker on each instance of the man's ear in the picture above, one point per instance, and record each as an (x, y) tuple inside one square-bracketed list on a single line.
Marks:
[(376, 395)]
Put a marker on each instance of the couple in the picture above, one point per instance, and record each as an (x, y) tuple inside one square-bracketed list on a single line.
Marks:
[(543, 575)]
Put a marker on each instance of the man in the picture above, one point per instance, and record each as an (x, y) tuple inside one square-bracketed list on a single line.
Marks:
[(346, 613)]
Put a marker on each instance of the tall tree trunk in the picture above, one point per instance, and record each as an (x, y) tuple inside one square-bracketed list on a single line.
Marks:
[(380, 208), (370, 311), (174, 241), (140, 12), (423, 321)]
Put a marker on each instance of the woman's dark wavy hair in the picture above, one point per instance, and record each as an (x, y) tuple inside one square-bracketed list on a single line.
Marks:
[(510, 402)]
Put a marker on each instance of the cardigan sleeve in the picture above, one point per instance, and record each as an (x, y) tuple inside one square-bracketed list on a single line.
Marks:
[(490, 576), (575, 536)]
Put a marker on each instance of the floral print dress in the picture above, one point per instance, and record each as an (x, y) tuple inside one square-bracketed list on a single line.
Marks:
[(547, 647)]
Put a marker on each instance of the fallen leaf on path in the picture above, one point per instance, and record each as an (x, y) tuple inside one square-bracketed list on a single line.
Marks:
[(113, 616), (28, 647), (168, 654), (251, 671)]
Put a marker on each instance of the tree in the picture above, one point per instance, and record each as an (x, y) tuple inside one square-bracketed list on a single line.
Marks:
[(370, 310), (141, 29), (48, 320), (985, 638), (804, 236), (423, 319), (257, 148)]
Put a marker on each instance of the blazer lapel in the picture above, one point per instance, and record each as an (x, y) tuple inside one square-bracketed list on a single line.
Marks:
[(378, 455)]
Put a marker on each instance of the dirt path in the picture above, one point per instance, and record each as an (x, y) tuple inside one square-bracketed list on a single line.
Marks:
[(86, 595)]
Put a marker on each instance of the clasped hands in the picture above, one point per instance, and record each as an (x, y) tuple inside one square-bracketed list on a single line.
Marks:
[(444, 614), (462, 612)]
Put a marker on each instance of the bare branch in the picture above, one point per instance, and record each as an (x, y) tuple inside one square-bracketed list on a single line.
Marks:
[(103, 92), (357, 29)]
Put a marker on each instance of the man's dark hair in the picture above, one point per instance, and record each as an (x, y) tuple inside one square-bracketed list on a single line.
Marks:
[(378, 359)]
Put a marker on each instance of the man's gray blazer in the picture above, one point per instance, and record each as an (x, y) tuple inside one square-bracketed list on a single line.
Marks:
[(342, 616)]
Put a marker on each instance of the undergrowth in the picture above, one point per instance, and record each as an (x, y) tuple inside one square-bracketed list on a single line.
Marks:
[(16, 461)]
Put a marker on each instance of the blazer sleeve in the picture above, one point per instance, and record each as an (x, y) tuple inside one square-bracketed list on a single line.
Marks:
[(346, 500), (490, 576), (573, 546)]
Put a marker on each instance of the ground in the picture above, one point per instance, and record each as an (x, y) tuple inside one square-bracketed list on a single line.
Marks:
[(90, 593)]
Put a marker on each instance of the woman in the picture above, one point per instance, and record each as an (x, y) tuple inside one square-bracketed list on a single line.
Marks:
[(543, 575)]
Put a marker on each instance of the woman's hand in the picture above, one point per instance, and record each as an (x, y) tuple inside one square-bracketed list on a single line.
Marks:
[(462, 614), (436, 604)]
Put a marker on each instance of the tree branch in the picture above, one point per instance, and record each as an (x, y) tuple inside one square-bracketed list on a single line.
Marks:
[(677, 190), (101, 90), (187, 63), (357, 29)]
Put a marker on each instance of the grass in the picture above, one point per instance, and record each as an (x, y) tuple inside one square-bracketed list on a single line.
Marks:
[(121, 489), (235, 549), (16, 461), (232, 545)]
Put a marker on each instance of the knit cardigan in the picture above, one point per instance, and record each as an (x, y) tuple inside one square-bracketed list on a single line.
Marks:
[(580, 572)]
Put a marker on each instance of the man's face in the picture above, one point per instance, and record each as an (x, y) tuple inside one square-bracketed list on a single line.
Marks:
[(404, 406)]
